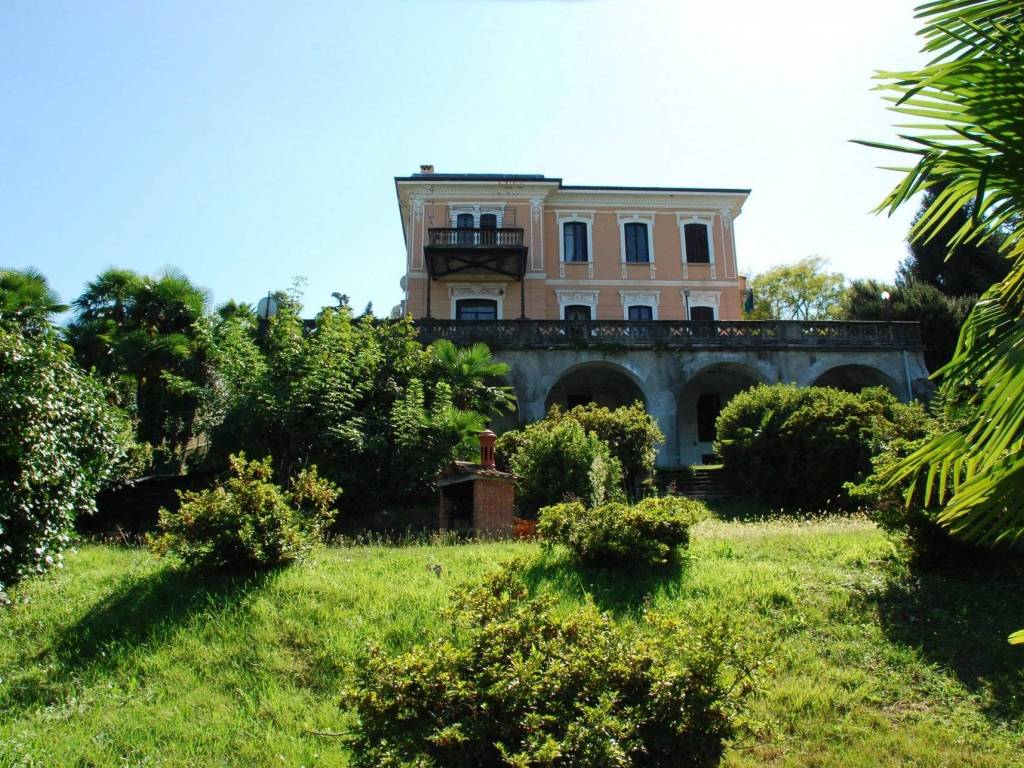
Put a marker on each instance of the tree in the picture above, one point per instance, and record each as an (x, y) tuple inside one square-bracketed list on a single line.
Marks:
[(800, 291), (967, 140), (968, 269), (60, 444), (27, 297), (143, 330), (473, 375), (940, 315)]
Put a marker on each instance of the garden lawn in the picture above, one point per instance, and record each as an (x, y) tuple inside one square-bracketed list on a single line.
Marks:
[(121, 660)]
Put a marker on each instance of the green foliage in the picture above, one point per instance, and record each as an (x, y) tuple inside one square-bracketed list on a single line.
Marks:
[(473, 376), (967, 145), (248, 520), (361, 399), (143, 330), (966, 270), (800, 291), (940, 315), (27, 298), (795, 447), (557, 461), (649, 531), (60, 444), (514, 684), (632, 435)]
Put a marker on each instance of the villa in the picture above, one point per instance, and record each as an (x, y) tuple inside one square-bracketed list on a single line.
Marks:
[(614, 294)]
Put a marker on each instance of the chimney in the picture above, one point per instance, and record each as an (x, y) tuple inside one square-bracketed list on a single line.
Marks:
[(425, 169), (487, 439)]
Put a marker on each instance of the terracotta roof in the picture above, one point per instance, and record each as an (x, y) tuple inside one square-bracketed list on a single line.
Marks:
[(463, 471)]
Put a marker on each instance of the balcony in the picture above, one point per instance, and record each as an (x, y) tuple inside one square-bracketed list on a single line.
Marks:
[(671, 334), (482, 251), (508, 237)]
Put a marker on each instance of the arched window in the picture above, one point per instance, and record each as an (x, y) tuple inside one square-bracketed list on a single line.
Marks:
[(635, 234), (698, 247), (574, 241), (577, 312), (476, 309)]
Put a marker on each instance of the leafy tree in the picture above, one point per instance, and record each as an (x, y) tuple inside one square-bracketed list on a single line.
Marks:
[(800, 291), (26, 297), (968, 269), (967, 107), (60, 443), (940, 315), (143, 330), (363, 400)]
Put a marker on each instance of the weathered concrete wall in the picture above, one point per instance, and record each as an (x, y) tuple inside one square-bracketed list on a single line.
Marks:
[(663, 376)]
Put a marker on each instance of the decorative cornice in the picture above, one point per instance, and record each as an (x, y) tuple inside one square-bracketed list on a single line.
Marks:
[(462, 290)]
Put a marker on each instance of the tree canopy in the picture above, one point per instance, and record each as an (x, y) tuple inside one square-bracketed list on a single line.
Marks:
[(804, 290)]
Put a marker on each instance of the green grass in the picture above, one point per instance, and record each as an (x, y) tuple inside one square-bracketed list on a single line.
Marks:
[(120, 660)]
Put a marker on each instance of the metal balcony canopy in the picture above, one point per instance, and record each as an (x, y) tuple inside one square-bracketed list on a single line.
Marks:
[(475, 251)]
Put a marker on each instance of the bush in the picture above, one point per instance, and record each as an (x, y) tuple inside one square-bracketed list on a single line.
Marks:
[(60, 444), (512, 684), (558, 461), (646, 532), (631, 433), (916, 523), (248, 520), (797, 446)]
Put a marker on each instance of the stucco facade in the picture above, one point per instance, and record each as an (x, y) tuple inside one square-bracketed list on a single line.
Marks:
[(635, 250)]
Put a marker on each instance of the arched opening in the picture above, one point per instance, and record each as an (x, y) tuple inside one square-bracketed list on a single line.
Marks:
[(854, 378), (597, 383), (702, 399)]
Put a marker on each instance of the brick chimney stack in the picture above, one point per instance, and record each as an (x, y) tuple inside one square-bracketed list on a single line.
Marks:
[(487, 439), (425, 169)]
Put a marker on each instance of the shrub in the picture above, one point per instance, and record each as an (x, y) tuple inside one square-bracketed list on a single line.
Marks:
[(646, 532), (916, 523), (797, 446), (60, 444), (513, 684), (631, 433), (248, 520), (558, 461)]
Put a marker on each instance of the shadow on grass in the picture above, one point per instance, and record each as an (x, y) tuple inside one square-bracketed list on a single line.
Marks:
[(959, 620), (622, 591)]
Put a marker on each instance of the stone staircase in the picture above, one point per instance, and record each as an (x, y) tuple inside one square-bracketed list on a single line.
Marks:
[(712, 482)]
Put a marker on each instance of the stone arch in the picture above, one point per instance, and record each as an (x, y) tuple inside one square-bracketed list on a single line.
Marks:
[(702, 397), (598, 382), (853, 377)]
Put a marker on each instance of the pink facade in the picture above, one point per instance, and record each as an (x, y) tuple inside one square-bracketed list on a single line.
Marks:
[(607, 253)]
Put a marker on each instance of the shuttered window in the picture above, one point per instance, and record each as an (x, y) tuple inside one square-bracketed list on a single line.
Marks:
[(702, 314), (698, 250), (574, 234), (636, 243), (641, 312)]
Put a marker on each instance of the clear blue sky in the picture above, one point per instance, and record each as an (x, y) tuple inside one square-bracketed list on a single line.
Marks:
[(248, 142)]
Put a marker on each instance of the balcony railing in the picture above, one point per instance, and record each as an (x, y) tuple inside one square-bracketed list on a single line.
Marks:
[(447, 237), (671, 334)]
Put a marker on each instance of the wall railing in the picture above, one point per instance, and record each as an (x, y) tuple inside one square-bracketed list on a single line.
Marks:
[(672, 334), (507, 237)]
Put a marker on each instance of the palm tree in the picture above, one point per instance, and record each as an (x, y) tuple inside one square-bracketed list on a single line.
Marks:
[(26, 296), (474, 376), (967, 140)]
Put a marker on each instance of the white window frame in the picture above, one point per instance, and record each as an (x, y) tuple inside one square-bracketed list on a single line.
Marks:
[(588, 221), (682, 219), (640, 299), (568, 298), (475, 210), (646, 219), (693, 299), (491, 292)]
